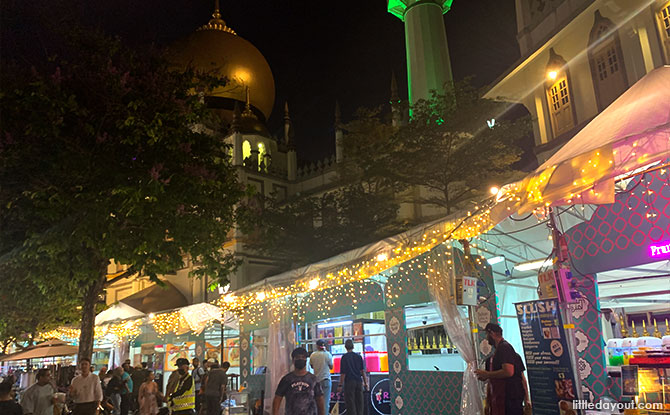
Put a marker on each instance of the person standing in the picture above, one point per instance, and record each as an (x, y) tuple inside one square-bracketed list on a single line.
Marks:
[(300, 388), (198, 374), (39, 399), (138, 376), (147, 396), (183, 398), (504, 372), (173, 379), (352, 375), (215, 385), (85, 390), (113, 389), (322, 363), (8, 405), (102, 375), (127, 391)]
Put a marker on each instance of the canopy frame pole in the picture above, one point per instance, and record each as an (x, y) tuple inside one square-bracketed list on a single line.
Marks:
[(564, 306)]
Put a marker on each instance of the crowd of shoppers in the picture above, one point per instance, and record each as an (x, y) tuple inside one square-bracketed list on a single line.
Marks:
[(124, 390)]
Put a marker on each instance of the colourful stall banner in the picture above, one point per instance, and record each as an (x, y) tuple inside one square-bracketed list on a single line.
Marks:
[(550, 374), (178, 350)]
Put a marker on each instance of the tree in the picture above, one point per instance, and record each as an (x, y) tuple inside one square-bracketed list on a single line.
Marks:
[(28, 307), (445, 155), (449, 149), (309, 228), (103, 155)]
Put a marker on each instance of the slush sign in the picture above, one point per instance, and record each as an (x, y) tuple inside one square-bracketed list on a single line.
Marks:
[(660, 249)]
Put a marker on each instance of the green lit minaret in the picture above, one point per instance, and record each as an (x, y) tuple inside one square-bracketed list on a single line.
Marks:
[(428, 65)]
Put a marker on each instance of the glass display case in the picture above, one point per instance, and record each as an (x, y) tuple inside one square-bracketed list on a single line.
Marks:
[(368, 334), (429, 348)]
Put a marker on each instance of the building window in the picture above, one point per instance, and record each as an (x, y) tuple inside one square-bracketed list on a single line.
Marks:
[(607, 67), (664, 29), (665, 19), (262, 157), (560, 106), (246, 150), (559, 96)]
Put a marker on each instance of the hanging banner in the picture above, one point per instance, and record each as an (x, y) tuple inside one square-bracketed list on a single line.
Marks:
[(469, 294), (550, 374)]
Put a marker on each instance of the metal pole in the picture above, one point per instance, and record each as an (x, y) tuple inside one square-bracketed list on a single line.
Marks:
[(566, 314), (222, 340)]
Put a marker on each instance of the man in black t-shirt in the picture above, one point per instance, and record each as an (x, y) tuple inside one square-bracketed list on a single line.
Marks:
[(352, 375), (504, 371), (301, 389), (8, 405)]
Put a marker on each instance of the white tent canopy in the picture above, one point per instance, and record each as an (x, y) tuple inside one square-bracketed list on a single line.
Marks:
[(633, 132), (643, 111), (117, 312)]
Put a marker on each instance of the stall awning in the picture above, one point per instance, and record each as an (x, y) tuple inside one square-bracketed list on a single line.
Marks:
[(119, 311), (51, 348), (156, 298), (633, 132)]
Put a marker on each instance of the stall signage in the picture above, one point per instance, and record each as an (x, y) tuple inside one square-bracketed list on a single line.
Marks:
[(547, 283), (380, 397), (550, 374), (659, 249), (469, 291), (629, 381), (147, 349)]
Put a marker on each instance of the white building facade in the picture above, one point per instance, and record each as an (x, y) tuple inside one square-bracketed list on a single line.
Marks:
[(578, 56)]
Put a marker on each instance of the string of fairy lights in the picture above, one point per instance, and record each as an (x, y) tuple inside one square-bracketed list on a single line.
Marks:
[(323, 291), (116, 332)]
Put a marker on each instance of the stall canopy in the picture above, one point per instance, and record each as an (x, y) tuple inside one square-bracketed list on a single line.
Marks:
[(633, 132), (51, 348), (156, 298), (631, 135), (197, 316), (118, 311)]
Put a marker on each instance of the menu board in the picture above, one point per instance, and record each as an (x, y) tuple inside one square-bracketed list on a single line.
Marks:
[(550, 374)]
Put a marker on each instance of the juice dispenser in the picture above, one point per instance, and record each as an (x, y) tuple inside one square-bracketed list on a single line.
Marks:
[(629, 345), (615, 352)]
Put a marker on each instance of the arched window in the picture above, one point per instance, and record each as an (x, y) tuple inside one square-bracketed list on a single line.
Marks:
[(246, 150), (559, 95), (261, 157), (663, 17), (606, 61)]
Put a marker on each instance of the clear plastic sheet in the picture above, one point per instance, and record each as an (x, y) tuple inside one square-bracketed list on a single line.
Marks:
[(120, 353), (281, 342), (441, 282)]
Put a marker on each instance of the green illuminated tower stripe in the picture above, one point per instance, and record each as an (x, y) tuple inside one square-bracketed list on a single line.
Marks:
[(428, 65)]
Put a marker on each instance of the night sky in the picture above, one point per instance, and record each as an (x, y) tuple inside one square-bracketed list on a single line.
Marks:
[(322, 51)]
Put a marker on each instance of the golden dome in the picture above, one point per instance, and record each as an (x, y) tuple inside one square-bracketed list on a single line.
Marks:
[(216, 47)]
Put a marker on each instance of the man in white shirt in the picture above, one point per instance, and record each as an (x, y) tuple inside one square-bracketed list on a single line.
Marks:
[(38, 399), (85, 390), (322, 362)]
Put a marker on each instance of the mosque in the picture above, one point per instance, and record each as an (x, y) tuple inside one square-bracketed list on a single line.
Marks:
[(270, 164)]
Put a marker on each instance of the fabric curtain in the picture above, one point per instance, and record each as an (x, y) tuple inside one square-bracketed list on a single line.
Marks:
[(281, 342), (120, 353), (442, 287)]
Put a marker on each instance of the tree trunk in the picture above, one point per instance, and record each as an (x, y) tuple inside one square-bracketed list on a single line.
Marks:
[(86, 336)]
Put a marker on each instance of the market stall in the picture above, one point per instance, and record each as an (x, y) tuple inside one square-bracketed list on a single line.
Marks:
[(536, 242)]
